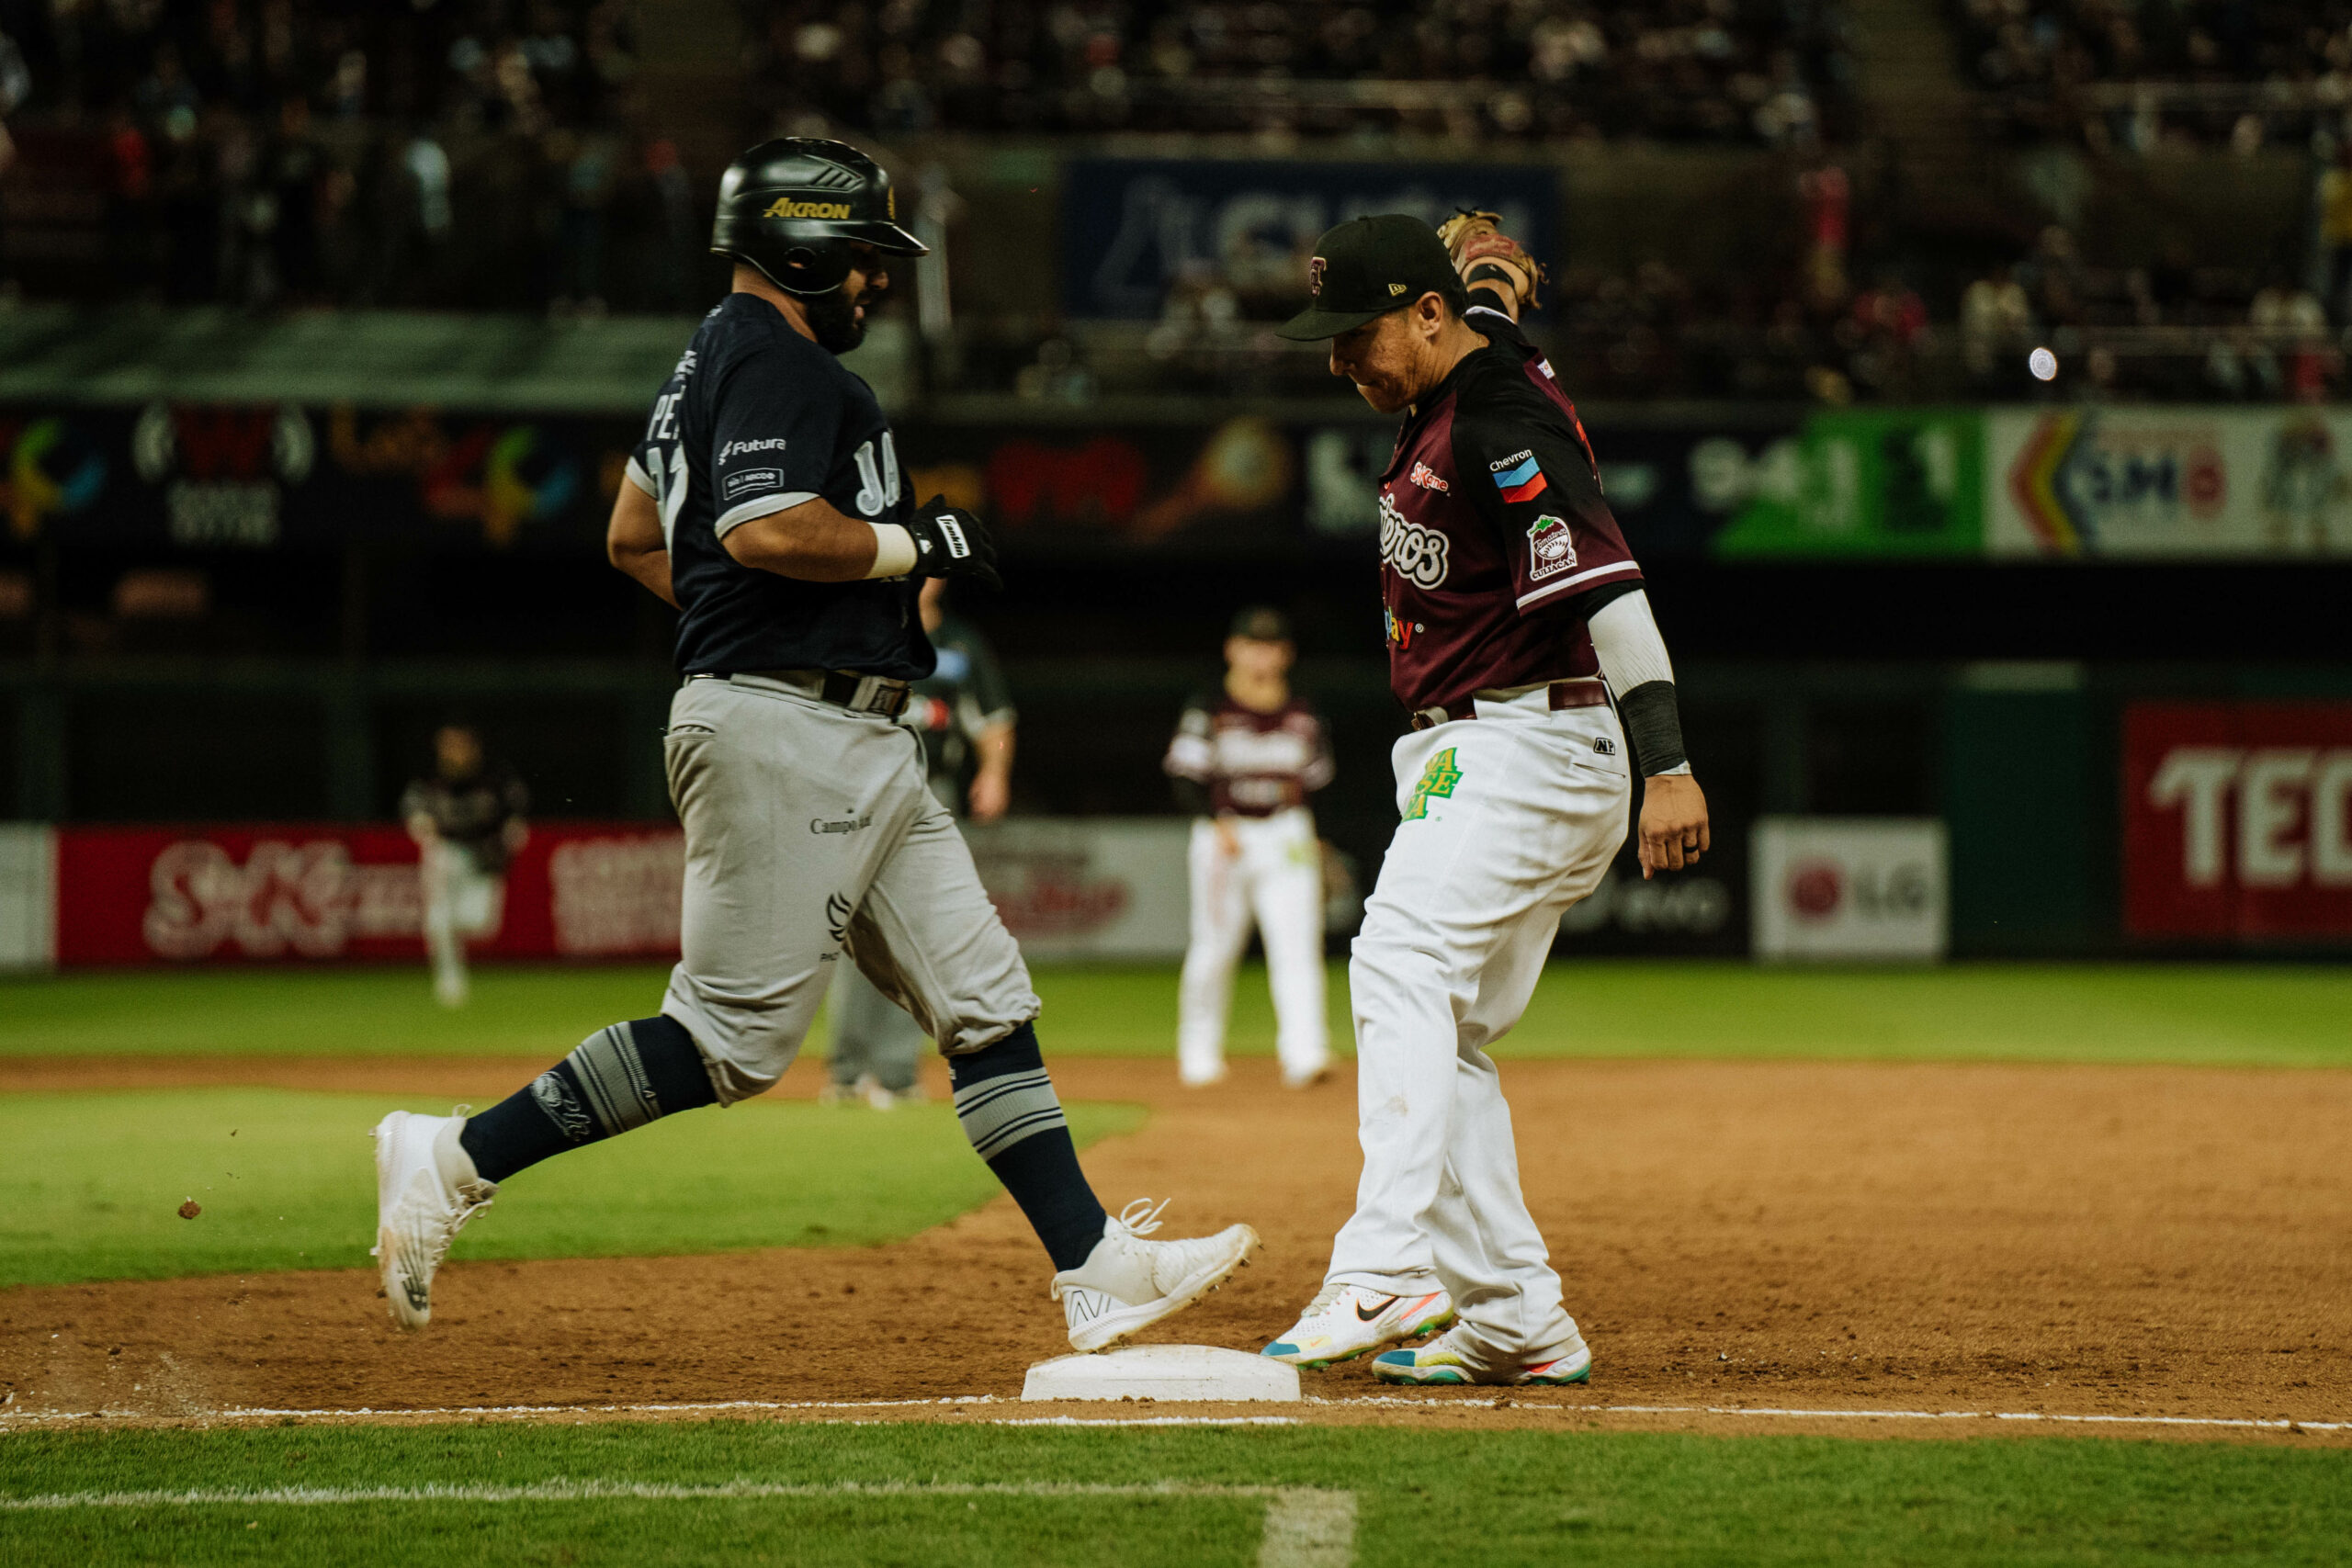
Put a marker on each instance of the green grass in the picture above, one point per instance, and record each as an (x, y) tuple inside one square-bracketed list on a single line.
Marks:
[(2242, 1015), (287, 1181), (1494, 1499)]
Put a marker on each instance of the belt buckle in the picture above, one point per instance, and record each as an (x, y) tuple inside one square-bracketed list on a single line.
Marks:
[(1431, 717)]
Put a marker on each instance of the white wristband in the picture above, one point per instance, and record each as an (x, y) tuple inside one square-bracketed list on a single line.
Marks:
[(894, 551)]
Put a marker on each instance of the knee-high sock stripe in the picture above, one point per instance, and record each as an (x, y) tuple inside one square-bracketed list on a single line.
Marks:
[(617, 1079), (1006, 1102)]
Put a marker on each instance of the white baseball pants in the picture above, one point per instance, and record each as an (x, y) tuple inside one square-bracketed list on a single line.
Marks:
[(1277, 879), (462, 901), (1506, 819)]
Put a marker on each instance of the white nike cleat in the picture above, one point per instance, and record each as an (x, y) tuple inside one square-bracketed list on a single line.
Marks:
[(425, 1192), (1345, 1321), (1453, 1358), (1127, 1284)]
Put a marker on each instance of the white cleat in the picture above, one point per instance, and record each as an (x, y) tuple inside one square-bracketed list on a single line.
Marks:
[(1346, 1321), (450, 989), (1200, 1077), (1127, 1284), (425, 1192), (1308, 1077)]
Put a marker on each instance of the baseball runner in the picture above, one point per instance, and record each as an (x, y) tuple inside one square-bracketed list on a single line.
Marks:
[(767, 502), (963, 713), (1244, 760), (1514, 612), (467, 818)]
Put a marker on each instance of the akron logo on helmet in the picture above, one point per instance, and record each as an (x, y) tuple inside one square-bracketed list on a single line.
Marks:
[(785, 206)]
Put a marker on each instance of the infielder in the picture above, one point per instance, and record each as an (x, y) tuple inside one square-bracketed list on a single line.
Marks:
[(1514, 612), (467, 818), (767, 501), (963, 713), (1244, 760)]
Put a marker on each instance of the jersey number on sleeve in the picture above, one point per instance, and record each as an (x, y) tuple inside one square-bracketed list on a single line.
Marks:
[(877, 489)]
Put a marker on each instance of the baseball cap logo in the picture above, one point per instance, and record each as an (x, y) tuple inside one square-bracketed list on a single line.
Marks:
[(1315, 277)]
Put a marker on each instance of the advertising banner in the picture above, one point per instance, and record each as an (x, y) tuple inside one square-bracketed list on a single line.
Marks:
[(2237, 821), (1135, 229), (1850, 887), (286, 476), (250, 894), (1888, 483), (2142, 482), (1230, 487), (28, 896), (335, 893), (1087, 887)]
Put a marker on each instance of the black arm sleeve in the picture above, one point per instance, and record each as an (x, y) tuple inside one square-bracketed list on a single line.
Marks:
[(1654, 725)]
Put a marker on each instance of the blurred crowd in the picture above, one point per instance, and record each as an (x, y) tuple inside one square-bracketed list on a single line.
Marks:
[(450, 152), (2241, 72), (1774, 71)]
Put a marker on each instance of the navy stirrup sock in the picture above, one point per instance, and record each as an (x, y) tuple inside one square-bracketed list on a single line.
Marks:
[(1012, 1117), (618, 1078)]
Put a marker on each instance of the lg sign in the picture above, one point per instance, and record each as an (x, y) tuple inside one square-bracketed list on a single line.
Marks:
[(2238, 819)]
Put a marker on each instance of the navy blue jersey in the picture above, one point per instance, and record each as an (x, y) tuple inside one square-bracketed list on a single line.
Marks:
[(755, 419)]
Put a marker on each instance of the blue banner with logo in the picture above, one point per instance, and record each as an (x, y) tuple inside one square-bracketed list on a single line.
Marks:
[(1137, 232)]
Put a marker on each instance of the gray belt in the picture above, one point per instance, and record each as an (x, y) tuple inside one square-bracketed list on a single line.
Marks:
[(843, 689)]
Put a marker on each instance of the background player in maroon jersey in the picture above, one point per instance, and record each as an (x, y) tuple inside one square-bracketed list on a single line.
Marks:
[(1514, 611), (1245, 759)]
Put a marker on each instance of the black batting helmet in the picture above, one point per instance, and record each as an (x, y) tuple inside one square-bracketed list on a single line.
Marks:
[(794, 207)]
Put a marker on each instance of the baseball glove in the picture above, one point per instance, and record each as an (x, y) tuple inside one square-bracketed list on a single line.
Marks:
[(1483, 254)]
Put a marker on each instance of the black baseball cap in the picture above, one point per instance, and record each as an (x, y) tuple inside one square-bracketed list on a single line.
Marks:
[(1261, 623), (1367, 268)]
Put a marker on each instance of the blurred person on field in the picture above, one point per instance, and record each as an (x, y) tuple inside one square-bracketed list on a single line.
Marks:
[(1244, 760), (466, 816), (963, 713)]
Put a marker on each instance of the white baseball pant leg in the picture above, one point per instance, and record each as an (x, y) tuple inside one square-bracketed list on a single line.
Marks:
[(462, 901), (1284, 863), (1520, 814), (1220, 929)]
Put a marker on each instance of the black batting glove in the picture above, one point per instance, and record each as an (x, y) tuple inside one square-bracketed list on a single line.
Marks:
[(951, 542)]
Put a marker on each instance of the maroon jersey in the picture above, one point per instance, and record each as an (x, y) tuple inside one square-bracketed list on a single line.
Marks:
[(1246, 764), (1495, 542)]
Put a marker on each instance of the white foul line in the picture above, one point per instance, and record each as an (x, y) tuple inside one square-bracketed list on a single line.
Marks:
[(1307, 1527), (2282, 1424), (1387, 1402)]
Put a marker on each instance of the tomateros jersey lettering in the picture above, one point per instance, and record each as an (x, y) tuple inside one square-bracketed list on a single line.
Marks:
[(1487, 573), (756, 420), (1251, 763)]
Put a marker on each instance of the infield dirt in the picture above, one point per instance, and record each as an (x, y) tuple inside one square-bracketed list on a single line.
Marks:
[(2086, 1240)]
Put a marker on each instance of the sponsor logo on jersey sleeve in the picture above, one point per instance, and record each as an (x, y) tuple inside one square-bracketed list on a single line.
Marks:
[(1550, 548), (1426, 477), (1519, 477), (1418, 555), (751, 479), (734, 449)]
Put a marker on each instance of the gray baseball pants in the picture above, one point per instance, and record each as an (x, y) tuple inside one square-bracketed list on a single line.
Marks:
[(810, 833)]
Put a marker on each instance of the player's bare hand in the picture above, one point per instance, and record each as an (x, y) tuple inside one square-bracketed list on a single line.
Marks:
[(1227, 839), (991, 794), (1674, 823), (951, 542)]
